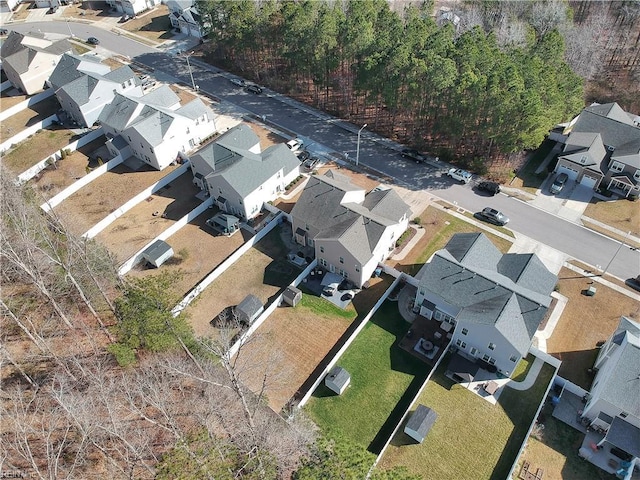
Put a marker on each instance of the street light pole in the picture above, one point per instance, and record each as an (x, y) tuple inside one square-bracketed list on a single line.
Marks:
[(358, 146), (615, 254), (193, 83), (69, 27)]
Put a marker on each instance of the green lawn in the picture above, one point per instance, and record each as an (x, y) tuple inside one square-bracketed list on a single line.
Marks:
[(527, 178), (383, 381), (471, 438)]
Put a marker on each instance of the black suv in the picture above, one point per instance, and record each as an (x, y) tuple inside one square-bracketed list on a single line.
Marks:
[(491, 187), (254, 89), (413, 155)]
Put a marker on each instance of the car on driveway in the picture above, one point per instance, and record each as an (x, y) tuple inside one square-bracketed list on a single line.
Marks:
[(310, 163), (459, 174), (413, 155), (254, 89), (494, 216), (329, 290), (558, 183), (93, 41), (490, 187), (633, 283), (238, 82)]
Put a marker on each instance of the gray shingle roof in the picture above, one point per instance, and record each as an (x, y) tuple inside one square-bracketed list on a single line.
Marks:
[(80, 89), (240, 137), (386, 203), (162, 96), (509, 291), (152, 124), (194, 109), (122, 74), (422, 420), (119, 112), (339, 376), (69, 69), (625, 436), (613, 131), (249, 306)]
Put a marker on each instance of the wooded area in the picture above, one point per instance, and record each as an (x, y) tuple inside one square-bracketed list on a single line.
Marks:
[(491, 84)]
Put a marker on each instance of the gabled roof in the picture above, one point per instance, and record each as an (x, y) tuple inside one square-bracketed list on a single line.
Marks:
[(162, 96), (615, 128), (194, 109), (19, 50), (71, 67), (612, 111), (386, 203), (511, 292), (240, 138), (249, 306)]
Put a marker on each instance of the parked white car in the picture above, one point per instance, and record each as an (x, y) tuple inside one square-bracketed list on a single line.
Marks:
[(295, 144), (459, 174)]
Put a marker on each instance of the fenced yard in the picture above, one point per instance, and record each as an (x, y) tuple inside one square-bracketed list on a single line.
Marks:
[(471, 438), (37, 147), (383, 380), (27, 117), (137, 227), (93, 202), (262, 271)]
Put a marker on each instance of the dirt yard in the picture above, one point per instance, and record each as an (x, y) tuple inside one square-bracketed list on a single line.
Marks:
[(198, 252), (621, 214), (27, 117), (54, 179), (37, 147), (90, 204), (11, 97), (137, 227), (248, 275), (153, 25), (584, 322)]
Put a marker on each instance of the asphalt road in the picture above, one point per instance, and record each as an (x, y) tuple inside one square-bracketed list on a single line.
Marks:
[(574, 240)]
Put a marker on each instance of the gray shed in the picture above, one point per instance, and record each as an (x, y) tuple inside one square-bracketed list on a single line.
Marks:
[(157, 253), (249, 309), (420, 423), (224, 223), (292, 296), (337, 379)]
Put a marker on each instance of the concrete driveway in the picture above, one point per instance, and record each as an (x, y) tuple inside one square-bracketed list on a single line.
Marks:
[(569, 204)]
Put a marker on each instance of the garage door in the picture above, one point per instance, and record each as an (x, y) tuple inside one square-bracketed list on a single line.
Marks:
[(573, 174), (588, 182)]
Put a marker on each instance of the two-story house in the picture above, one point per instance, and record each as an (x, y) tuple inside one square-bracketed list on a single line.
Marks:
[(184, 15), (494, 302), (239, 176), (132, 7), (351, 231), (83, 86), (602, 149), (155, 128), (613, 404), (29, 59)]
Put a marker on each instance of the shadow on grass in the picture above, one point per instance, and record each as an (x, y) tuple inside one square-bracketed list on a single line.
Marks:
[(528, 173), (576, 365)]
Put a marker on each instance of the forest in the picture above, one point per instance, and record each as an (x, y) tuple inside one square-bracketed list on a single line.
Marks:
[(490, 84)]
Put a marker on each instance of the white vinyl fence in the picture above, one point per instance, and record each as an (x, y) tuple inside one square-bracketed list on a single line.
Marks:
[(118, 212), (78, 184), (24, 134), (73, 146), (25, 104)]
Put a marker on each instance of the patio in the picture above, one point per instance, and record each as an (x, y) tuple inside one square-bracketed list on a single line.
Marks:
[(427, 339), (605, 456)]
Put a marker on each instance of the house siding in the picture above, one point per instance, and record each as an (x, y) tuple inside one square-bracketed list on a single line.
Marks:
[(479, 337)]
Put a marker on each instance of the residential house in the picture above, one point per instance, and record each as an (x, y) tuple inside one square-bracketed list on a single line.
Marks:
[(84, 86), (155, 128), (184, 15), (239, 176), (494, 302), (7, 6), (29, 59), (132, 7), (602, 149), (351, 231), (613, 405)]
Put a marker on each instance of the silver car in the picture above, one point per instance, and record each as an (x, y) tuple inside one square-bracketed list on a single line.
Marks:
[(493, 216)]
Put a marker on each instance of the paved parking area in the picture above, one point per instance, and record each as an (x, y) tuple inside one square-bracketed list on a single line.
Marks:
[(570, 203)]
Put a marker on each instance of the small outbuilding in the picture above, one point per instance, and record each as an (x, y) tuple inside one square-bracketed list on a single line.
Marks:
[(249, 309), (292, 296), (224, 223), (157, 253), (337, 380), (420, 423)]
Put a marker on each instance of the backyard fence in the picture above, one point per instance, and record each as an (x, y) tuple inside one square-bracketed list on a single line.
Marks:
[(555, 363), (78, 184), (268, 311), (42, 164), (230, 260), (24, 134), (346, 344), (25, 104), (129, 264), (118, 212)]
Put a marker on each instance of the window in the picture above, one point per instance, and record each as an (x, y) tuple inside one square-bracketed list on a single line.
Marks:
[(323, 262), (341, 260), (342, 273), (623, 414), (321, 249), (142, 144), (492, 346), (513, 358), (465, 331), (461, 344), (422, 292), (151, 148), (474, 351), (492, 361), (636, 175), (306, 227), (616, 166), (486, 357), (357, 268), (129, 137)]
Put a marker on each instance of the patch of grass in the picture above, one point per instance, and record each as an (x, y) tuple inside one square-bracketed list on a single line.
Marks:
[(522, 369), (323, 308), (622, 214), (609, 233), (381, 375), (36, 148), (154, 25), (471, 438), (527, 178)]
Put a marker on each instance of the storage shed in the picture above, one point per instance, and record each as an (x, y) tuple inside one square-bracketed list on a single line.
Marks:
[(157, 253), (249, 309), (224, 223), (420, 423), (292, 296), (337, 379)]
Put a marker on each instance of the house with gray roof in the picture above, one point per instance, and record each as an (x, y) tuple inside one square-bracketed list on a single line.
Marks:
[(29, 59), (239, 176), (351, 231), (602, 149), (613, 404), (84, 86), (494, 302), (132, 7), (155, 127), (184, 15)]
